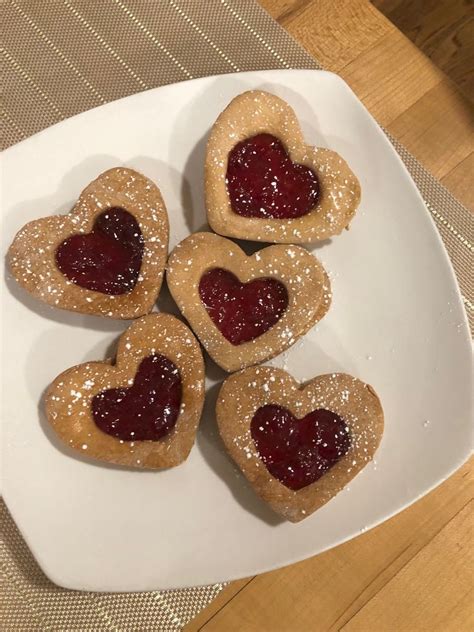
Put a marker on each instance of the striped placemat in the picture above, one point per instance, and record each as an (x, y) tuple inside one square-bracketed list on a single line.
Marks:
[(61, 57)]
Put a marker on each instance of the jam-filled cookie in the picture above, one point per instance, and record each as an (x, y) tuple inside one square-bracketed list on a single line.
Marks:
[(143, 410), (246, 309), (106, 257), (298, 444), (264, 183)]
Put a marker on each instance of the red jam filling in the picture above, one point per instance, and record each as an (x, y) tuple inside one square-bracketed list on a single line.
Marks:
[(262, 181), (147, 410), (108, 259), (242, 311), (299, 451)]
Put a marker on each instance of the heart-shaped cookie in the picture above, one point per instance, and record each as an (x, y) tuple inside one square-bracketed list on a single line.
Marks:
[(264, 183), (298, 445), (142, 411), (246, 309), (106, 257)]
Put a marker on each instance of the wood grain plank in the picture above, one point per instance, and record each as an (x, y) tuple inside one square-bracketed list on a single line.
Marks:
[(445, 569), (444, 32), (223, 598), (331, 588), (332, 35), (283, 10), (362, 47), (458, 65), (391, 76), (438, 129)]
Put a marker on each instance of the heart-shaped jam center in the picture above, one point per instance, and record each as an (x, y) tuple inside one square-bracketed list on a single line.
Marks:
[(262, 181), (242, 311), (108, 259), (299, 451), (147, 410)]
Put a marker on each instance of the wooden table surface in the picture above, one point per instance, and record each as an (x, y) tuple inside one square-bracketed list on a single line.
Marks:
[(415, 572)]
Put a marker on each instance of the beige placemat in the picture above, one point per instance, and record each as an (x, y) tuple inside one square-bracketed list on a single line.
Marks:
[(61, 57)]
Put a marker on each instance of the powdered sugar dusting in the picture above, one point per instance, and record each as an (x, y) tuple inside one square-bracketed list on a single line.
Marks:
[(300, 272), (349, 398), (32, 254), (69, 399), (256, 112)]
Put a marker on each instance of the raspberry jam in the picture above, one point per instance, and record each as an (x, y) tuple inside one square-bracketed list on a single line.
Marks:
[(106, 260), (299, 451), (242, 311), (147, 410), (262, 181)]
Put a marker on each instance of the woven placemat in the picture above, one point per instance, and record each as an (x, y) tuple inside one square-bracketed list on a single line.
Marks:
[(61, 57)]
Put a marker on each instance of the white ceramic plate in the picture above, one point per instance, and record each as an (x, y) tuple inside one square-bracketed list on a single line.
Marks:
[(397, 322)]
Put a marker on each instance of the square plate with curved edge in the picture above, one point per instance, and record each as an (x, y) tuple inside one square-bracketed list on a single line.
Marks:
[(397, 322)]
